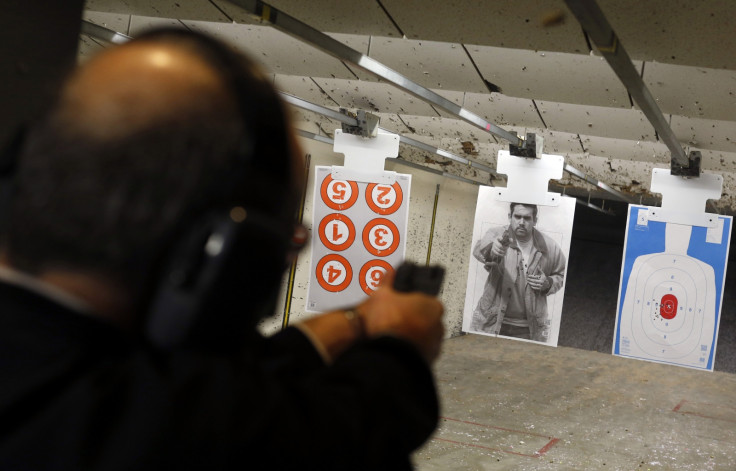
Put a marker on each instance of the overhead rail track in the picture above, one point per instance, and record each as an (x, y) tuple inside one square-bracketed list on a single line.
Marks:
[(302, 31), (349, 120), (108, 35), (406, 163), (100, 32), (595, 24)]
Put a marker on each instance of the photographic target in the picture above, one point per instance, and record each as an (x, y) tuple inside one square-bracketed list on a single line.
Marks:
[(671, 290)]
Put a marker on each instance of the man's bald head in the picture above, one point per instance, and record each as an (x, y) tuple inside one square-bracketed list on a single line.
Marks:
[(139, 85), (144, 139)]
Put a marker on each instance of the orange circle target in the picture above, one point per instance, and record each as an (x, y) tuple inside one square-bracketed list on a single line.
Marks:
[(336, 232), (384, 199), (369, 275), (338, 194), (381, 237), (334, 273)]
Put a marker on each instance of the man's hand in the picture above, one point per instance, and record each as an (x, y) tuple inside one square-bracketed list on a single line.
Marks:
[(498, 249), (414, 317), (538, 282)]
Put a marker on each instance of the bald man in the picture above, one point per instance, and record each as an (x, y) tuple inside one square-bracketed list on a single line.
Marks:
[(151, 149)]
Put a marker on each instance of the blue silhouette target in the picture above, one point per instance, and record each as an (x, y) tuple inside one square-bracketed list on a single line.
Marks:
[(671, 290)]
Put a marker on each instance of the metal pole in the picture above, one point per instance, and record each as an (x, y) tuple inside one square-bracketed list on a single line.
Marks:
[(304, 32), (594, 23)]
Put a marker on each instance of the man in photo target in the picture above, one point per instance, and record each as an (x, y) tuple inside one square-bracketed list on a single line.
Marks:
[(524, 267)]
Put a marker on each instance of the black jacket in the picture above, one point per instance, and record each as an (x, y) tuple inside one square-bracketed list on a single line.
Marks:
[(77, 394)]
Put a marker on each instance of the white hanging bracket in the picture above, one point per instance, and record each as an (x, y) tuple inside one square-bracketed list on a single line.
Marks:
[(684, 199), (528, 178), (365, 157)]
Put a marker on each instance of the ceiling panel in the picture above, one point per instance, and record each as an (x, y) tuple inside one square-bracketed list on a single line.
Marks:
[(432, 130), (718, 161), (276, 51), (429, 63), (140, 24), (693, 91), (304, 88), (393, 122), (373, 97), (551, 76), (676, 31), (115, 21), (202, 10), (597, 120), (88, 47), (503, 110), (643, 151), (705, 133), (558, 143), (623, 175), (521, 24), (313, 122), (365, 17)]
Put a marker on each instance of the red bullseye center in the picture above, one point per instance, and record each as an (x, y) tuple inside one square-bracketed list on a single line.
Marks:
[(668, 306)]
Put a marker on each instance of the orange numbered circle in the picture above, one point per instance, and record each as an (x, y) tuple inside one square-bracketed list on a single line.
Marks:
[(338, 194), (334, 273), (336, 231), (381, 237), (372, 273), (384, 199)]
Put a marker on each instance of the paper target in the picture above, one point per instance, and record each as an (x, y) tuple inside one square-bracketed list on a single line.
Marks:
[(671, 289), (352, 248), (669, 308)]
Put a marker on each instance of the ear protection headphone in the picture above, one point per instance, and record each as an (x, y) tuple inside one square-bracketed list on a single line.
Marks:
[(216, 273)]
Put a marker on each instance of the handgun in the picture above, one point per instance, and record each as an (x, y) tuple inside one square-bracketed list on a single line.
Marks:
[(411, 277)]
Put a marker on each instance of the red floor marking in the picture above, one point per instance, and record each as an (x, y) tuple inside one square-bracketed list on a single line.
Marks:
[(678, 409), (552, 440)]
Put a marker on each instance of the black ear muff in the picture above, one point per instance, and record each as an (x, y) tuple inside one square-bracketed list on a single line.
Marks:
[(8, 166), (217, 281)]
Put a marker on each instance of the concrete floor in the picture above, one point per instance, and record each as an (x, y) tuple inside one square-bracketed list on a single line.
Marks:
[(512, 405)]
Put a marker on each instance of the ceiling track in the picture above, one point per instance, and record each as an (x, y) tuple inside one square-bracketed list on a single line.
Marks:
[(302, 31), (118, 38), (350, 121), (595, 24), (100, 32), (327, 140)]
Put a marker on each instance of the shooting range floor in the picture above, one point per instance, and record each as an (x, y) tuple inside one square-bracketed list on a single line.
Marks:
[(511, 405)]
